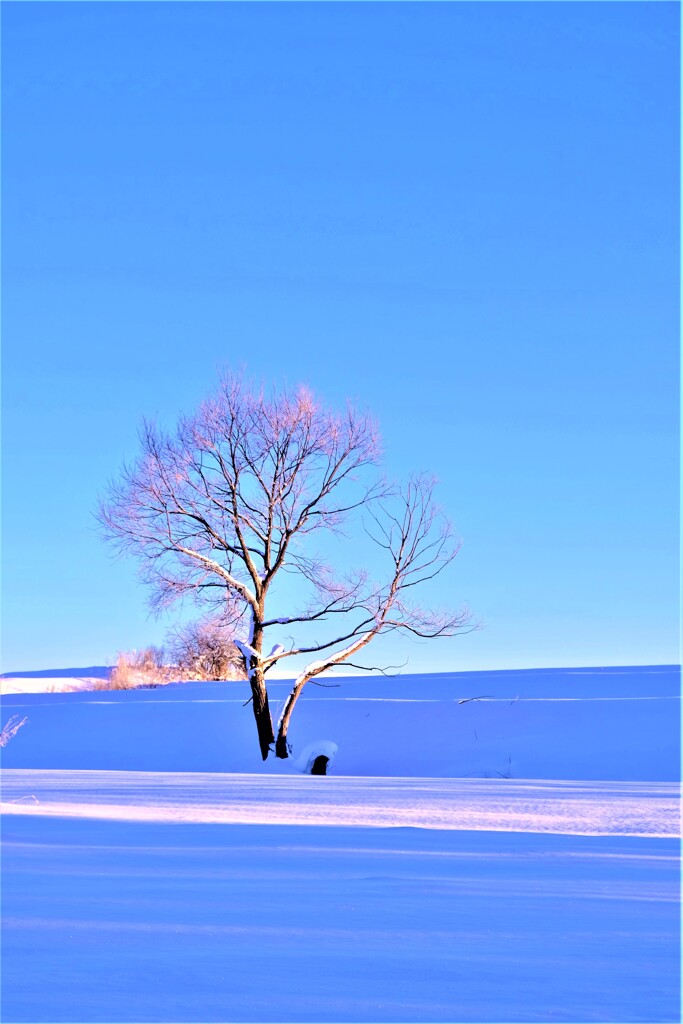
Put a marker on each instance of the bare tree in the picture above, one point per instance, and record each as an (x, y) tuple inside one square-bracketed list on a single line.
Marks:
[(232, 499), (206, 650)]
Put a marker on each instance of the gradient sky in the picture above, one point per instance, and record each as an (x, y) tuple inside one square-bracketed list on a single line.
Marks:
[(462, 215)]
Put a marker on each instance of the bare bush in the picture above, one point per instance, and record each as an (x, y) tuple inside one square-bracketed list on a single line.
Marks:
[(205, 650), (137, 668)]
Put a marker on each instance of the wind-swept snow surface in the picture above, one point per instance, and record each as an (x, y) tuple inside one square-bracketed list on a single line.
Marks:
[(488, 847), (119, 921), (591, 809)]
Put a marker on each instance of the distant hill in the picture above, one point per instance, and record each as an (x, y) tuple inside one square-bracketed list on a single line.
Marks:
[(90, 672)]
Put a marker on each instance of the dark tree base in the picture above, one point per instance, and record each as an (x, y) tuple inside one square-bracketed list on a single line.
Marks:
[(281, 748)]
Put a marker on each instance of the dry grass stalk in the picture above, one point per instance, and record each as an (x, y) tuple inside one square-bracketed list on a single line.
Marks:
[(137, 668)]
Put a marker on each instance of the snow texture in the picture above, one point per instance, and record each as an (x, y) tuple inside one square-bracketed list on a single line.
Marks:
[(513, 858), (620, 725), (569, 808)]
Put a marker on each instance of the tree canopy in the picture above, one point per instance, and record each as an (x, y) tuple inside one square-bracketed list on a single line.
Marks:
[(233, 497)]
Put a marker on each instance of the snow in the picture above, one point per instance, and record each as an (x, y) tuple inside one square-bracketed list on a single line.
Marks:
[(247, 650), (110, 920), (320, 748), (512, 858), (244, 646), (596, 808), (406, 726), (54, 680)]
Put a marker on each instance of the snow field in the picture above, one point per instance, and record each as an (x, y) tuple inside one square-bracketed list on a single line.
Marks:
[(597, 808), (130, 921), (489, 847), (619, 724)]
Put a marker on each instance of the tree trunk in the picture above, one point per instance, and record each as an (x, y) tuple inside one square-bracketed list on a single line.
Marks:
[(281, 742), (264, 723)]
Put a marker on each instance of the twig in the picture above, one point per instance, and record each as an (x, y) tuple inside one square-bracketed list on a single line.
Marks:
[(11, 728)]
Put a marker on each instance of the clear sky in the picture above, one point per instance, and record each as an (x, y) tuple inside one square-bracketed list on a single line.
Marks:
[(463, 215)]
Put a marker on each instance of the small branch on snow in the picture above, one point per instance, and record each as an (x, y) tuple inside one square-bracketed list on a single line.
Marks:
[(391, 671), (11, 728)]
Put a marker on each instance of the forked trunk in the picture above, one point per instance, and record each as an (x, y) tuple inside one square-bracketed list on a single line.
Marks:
[(281, 749), (264, 723)]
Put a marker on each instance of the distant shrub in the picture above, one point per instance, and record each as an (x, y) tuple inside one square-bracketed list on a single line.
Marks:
[(137, 668), (200, 650), (205, 650)]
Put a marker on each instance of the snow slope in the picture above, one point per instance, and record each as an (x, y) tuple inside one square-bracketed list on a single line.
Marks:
[(509, 858), (53, 680), (613, 724)]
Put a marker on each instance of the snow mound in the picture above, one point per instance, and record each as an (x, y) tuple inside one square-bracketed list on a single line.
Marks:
[(320, 748)]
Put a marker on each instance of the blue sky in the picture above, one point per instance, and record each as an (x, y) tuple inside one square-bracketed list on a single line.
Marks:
[(464, 216)]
